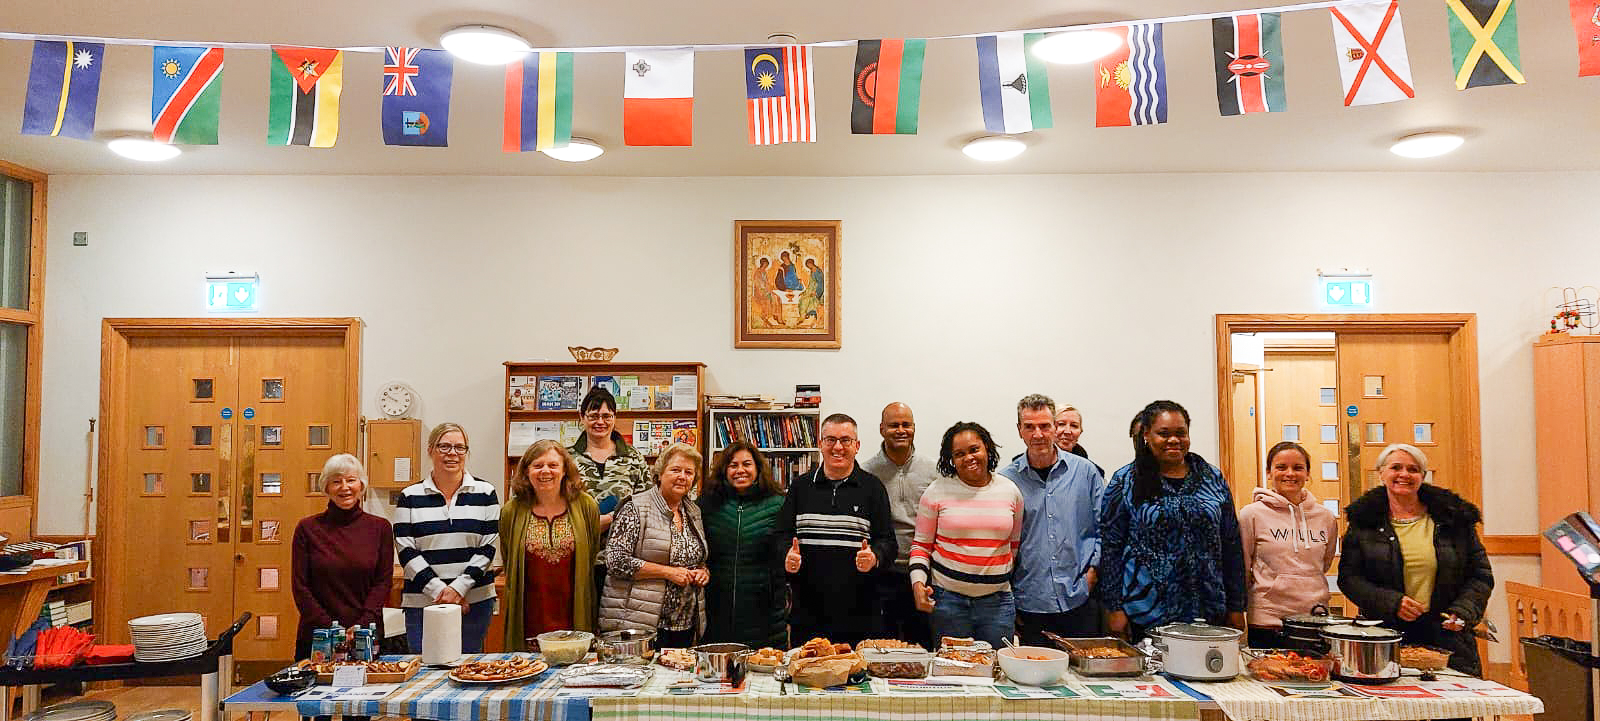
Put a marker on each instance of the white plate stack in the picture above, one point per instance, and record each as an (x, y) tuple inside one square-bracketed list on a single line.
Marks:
[(75, 711), (168, 636)]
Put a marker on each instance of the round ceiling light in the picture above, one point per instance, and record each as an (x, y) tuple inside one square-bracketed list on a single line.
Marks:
[(484, 44), (1426, 145), (577, 151), (994, 148), (143, 149), (1076, 46)]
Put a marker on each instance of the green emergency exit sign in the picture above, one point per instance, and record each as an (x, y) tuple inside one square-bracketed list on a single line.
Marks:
[(232, 293)]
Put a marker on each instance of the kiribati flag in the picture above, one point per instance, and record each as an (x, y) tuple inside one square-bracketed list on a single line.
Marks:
[(186, 94), (1131, 84), (416, 96), (1248, 54), (538, 112), (63, 88)]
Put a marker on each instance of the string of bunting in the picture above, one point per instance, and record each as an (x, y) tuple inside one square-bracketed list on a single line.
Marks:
[(1130, 83)]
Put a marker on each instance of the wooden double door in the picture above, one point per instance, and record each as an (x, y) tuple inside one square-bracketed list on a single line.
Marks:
[(215, 437)]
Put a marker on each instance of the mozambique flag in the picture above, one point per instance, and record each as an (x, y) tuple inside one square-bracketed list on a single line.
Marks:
[(1483, 43), (887, 86), (186, 94), (1248, 54), (538, 112), (1586, 23), (303, 106), (63, 88), (1012, 84)]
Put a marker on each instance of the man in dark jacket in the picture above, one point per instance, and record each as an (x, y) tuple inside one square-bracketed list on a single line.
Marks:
[(836, 535)]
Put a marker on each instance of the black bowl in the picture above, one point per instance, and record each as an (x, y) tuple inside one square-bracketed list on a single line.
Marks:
[(293, 679)]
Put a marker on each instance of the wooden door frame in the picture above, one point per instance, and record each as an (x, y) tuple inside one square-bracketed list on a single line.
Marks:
[(115, 335), (1462, 332)]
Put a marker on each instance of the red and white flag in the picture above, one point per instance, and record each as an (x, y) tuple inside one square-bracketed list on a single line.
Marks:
[(1372, 53), (658, 97), (779, 95)]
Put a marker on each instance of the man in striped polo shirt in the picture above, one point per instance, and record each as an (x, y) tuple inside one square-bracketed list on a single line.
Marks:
[(837, 533)]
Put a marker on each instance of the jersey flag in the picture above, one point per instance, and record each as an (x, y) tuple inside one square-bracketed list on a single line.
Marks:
[(186, 94), (1371, 47), (1248, 53), (303, 102)]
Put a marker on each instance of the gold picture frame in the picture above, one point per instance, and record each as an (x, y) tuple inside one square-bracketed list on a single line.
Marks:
[(786, 283)]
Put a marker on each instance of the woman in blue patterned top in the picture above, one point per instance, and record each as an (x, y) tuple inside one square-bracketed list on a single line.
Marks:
[(1169, 539)]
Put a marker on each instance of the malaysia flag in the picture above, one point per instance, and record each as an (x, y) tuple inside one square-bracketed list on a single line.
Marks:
[(778, 87)]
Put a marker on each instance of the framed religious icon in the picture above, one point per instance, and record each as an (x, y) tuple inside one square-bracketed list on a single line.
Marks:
[(786, 283)]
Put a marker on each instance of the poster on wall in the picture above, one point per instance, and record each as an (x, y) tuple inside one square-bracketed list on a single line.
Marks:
[(786, 283)]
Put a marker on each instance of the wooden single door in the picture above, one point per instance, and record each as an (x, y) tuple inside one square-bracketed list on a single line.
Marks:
[(1301, 401), (1399, 386), (1246, 438)]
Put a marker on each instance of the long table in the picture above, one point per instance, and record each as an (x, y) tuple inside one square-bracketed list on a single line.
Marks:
[(430, 694)]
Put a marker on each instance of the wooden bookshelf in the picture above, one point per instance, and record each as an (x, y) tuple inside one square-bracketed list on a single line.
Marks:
[(787, 436), (654, 375)]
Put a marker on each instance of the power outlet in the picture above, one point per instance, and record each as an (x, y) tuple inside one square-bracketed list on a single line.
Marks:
[(80, 238)]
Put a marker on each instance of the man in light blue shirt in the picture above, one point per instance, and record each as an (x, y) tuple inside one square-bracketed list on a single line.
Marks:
[(1060, 533)]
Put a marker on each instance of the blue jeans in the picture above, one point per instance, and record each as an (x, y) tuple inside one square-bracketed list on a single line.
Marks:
[(474, 626), (985, 618)]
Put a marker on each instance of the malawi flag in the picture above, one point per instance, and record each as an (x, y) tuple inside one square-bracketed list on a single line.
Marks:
[(887, 86), (1483, 43), (1248, 53), (658, 97), (1586, 23), (63, 88), (1130, 85), (416, 97), (186, 94), (538, 112), (303, 105), (1012, 83)]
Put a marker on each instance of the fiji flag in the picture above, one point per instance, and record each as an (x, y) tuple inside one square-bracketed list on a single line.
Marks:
[(416, 96), (63, 88)]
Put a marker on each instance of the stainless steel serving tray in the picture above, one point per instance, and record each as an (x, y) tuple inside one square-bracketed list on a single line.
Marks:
[(1130, 664)]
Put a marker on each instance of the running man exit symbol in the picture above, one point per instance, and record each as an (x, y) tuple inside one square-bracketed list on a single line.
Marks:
[(232, 293)]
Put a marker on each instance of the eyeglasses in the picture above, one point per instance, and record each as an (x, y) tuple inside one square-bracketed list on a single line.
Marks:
[(599, 417), (446, 449), (838, 441)]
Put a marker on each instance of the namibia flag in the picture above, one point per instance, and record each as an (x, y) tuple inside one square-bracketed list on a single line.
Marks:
[(303, 103), (63, 88), (186, 94), (887, 87)]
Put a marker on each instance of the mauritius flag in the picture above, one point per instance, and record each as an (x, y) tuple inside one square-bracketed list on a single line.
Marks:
[(887, 87), (1012, 83), (416, 96), (1248, 52), (63, 88), (303, 105), (538, 102), (186, 94)]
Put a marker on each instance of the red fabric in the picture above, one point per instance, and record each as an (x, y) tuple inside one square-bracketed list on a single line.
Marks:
[(546, 594), (109, 654)]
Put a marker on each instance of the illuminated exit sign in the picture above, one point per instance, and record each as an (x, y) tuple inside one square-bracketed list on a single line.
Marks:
[(232, 292), (1345, 289)]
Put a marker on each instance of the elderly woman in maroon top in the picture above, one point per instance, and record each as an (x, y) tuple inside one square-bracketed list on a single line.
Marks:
[(343, 557)]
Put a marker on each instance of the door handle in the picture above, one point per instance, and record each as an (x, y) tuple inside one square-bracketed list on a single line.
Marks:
[(238, 558), (1352, 461)]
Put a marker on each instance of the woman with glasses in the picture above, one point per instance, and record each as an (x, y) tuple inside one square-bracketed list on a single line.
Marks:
[(612, 470), (447, 529)]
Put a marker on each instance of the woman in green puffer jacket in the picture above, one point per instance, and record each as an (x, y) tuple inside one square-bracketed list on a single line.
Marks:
[(747, 600)]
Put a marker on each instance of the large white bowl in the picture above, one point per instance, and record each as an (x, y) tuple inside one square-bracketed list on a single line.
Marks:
[(1031, 672)]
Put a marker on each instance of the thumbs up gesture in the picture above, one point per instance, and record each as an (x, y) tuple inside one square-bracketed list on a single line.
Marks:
[(865, 558), (791, 560)]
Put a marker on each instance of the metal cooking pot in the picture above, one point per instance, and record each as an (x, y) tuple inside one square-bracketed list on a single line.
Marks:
[(628, 646), (1198, 651), (720, 662), (1364, 652), (1303, 631)]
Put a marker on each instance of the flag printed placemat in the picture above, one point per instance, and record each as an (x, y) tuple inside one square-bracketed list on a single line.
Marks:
[(1371, 48), (886, 86), (1243, 698), (1249, 64), (185, 94), (1013, 86), (303, 96), (1483, 43), (63, 88)]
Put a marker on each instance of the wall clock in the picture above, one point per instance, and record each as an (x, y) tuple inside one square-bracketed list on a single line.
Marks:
[(396, 400)]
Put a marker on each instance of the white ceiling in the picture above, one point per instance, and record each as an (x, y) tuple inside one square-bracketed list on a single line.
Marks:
[(1547, 124)]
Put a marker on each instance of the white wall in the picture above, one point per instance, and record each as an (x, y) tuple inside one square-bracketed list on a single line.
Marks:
[(961, 294)]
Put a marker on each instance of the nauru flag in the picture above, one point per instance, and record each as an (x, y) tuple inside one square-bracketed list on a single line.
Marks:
[(658, 97)]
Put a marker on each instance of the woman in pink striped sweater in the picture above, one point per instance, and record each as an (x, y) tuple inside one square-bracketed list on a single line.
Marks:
[(968, 525)]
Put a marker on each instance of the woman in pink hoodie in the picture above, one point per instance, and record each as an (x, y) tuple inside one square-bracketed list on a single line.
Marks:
[(1289, 539)]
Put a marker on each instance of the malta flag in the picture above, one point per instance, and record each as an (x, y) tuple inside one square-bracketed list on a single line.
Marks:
[(1586, 23), (1130, 85), (1372, 53), (538, 103), (1012, 84), (658, 97), (1249, 64), (186, 94), (886, 87), (778, 92), (63, 88), (303, 102), (1483, 43)]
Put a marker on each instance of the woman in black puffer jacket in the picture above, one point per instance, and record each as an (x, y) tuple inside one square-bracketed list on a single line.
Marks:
[(1432, 598)]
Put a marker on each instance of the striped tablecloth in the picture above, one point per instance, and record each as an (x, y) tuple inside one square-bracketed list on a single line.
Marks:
[(432, 695), (762, 702), (1246, 700)]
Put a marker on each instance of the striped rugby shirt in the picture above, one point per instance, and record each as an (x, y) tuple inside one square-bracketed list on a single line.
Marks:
[(447, 544), (831, 519), (966, 537)]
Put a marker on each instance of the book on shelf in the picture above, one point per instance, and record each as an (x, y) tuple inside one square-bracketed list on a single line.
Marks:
[(607, 382), (74, 551), (639, 397), (515, 400), (766, 431), (786, 467), (562, 393), (80, 612), (685, 392), (522, 434), (807, 395), (624, 392), (722, 401), (686, 432), (641, 436), (661, 436), (661, 398), (569, 432)]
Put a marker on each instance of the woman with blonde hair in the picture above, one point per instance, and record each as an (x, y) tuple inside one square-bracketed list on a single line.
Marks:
[(656, 557), (549, 529)]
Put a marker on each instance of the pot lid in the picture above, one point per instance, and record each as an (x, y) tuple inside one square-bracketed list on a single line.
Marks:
[(1198, 630), (1361, 633), (1317, 619)]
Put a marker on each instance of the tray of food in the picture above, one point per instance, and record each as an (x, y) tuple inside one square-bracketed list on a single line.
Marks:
[(964, 657), (820, 663), (505, 670), (1102, 656), (377, 671), (1266, 664), (677, 659), (890, 658), (765, 660), (1424, 658)]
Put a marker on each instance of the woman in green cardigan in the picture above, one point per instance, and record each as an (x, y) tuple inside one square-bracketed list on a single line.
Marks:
[(747, 598), (549, 530)]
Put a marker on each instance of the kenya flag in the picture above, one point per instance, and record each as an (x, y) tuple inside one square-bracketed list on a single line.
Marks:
[(1249, 63)]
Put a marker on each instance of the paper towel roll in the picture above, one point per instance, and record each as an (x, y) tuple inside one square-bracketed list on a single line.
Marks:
[(441, 634)]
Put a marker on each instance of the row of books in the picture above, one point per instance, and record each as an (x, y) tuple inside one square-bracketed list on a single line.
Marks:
[(649, 437), (753, 402), (75, 551), (60, 613), (788, 466), (767, 431), (565, 393)]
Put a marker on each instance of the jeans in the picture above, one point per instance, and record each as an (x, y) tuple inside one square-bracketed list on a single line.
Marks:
[(901, 619), (474, 626), (985, 618)]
